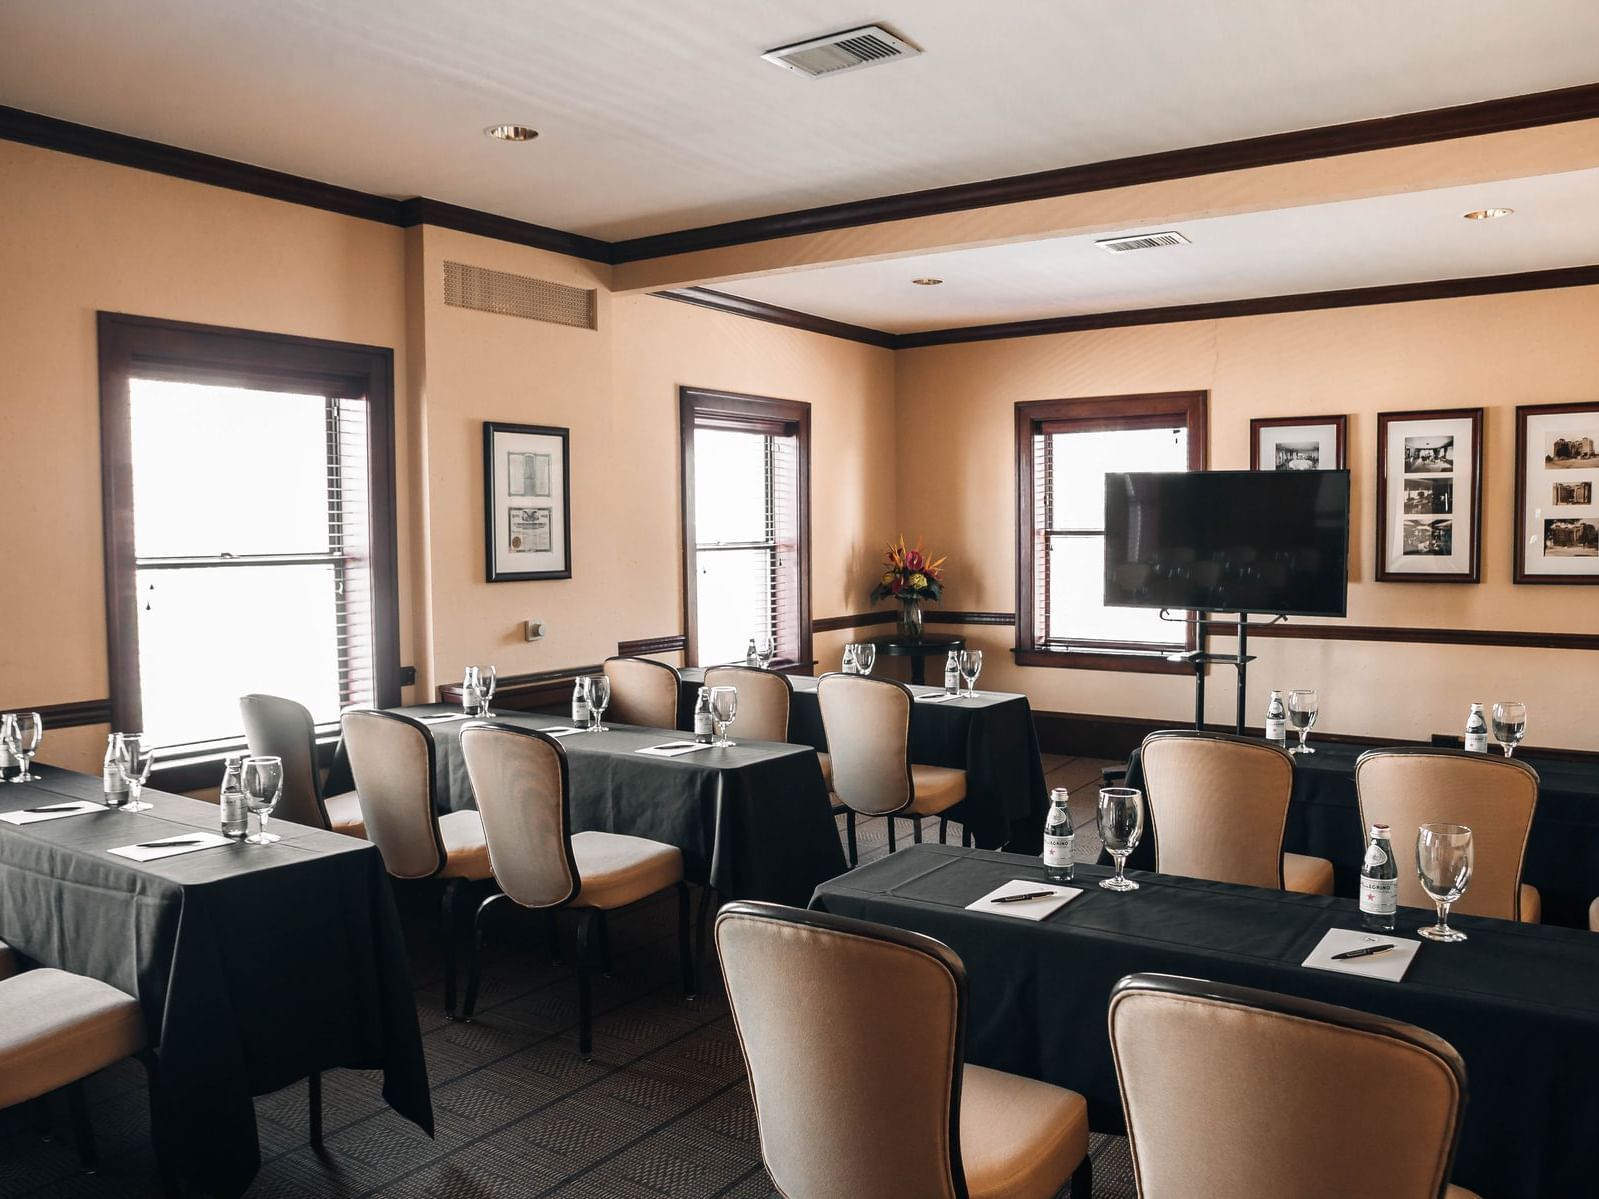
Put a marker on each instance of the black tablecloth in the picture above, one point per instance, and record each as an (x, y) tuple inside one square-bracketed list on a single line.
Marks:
[(991, 738), (256, 966), (1324, 821), (1520, 1002), (752, 821)]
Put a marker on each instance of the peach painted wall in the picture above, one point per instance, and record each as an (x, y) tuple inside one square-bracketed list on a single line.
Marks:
[(955, 404)]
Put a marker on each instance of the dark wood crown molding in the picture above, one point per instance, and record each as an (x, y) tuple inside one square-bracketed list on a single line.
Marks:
[(721, 301), (419, 210), (675, 643)]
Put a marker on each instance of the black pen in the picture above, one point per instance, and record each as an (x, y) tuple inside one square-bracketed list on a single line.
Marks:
[(60, 807), (1361, 953), (167, 844), (1025, 895)]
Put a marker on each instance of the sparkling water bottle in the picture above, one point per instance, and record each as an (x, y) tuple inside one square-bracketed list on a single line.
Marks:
[(1476, 731), (471, 692), (1058, 867), (1379, 882), (952, 673), (702, 717), (752, 656), (580, 704), (1276, 720), (114, 772), (235, 814)]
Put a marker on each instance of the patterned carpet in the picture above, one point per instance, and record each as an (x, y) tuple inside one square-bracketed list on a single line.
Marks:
[(662, 1111)]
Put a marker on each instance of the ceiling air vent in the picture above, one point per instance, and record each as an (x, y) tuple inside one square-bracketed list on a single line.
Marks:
[(840, 52), (1142, 241)]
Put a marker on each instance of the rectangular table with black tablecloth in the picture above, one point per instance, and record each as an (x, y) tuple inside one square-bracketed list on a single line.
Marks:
[(1520, 1002), (752, 821), (990, 737), (256, 965), (1324, 821)]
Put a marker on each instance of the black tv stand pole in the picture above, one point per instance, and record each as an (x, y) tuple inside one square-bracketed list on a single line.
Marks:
[(1202, 658)]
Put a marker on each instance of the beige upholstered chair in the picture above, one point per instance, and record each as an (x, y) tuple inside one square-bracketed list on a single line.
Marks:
[(868, 723), (1234, 1093), (764, 697), (643, 692), (391, 760), (1218, 806), (281, 728), (520, 779), (1494, 796), (1593, 916), (854, 1036), (8, 961)]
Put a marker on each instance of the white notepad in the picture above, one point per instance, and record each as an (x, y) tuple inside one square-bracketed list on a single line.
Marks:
[(64, 808), (157, 849), (444, 719), (1026, 909), (1390, 966), (673, 749), (937, 698), (562, 731)]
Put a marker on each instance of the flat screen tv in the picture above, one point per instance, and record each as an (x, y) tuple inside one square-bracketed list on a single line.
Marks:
[(1271, 542)]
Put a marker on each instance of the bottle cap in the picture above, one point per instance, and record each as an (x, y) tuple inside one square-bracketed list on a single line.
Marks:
[(1058, 795), (1379, 830)]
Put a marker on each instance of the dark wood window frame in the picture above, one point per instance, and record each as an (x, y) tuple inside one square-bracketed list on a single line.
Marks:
[(144, 347), (1088, 414), (700, 407)]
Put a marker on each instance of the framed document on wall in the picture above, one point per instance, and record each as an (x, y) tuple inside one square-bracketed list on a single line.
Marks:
[(1297, 442), (1429, 496), (527, 509), (1557, 475)]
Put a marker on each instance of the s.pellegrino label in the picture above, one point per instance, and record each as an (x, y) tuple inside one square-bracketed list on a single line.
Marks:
[(952, 673), (1476, 731), (1058, 839), (1276, 719), (580, 705), (235, 816), (114, 772), (702, 717), (1379, 882)]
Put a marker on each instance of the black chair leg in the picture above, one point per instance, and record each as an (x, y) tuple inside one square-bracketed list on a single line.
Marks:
[(39, 1111), (604, 927), (452, 891), (890, 821), (82, 1129), (966, 837), (474, 956), (916, 829), (849, 833), (685, 943), (1083, 1179), (552, 933), (943, 830), (708, 907), (314, 1088), (585, 996)]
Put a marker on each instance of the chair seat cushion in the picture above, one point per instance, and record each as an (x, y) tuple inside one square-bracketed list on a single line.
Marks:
[(8, 960), (466, 850), (618, 870), (937, 789), (1531, 905), (1455, 1192), (1309, 876), (56, 1028), (1020, 1139), (344, 814)]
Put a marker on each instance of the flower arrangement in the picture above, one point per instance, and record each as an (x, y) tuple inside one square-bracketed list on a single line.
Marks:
[(909, 574)]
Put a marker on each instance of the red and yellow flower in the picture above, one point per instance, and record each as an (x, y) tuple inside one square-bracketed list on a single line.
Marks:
[(909, 573)]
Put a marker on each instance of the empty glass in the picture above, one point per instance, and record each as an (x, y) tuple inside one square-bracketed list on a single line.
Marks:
[(1121, 824), (1443, 861), (865, 657), (971, 666), (1302, 710), (140, 758), (1510, 725), (765, 651), (262, 781), (486, 678), (724, 710), (23, 735), (599, 696)]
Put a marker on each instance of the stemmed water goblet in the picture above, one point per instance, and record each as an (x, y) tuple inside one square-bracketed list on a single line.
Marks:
[(486, 678), (1444, 858), (23, 734), (724, 710), (137, 764), (765, 651), (599, 696), (971, 664), (1121, 824), (1302, 712), (1510, 724), (262, 782), (865, 657)]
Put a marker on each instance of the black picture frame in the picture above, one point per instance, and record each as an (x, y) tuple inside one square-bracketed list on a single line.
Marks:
[(1464, 497), (1532, 563), (552, 560)]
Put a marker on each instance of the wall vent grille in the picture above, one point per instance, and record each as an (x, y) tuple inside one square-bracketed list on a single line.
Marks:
[(840, 52), (1142, 241), (508, 294)]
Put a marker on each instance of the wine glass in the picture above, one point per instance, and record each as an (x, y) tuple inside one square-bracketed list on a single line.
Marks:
[(1121, 824), (140, 758), (765, 651), (262, 781), (23, 735), (971, 661), (1510, 725), (599, 696), (1302, 710), (486, 678), (1443, 861), (865, 657), (724, 710)]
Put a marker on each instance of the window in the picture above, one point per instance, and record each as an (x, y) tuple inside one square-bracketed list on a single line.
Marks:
[(249, 526), (746, 525), (1064, 449)]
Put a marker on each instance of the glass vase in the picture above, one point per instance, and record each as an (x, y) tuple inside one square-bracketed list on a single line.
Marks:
[(910, 618)]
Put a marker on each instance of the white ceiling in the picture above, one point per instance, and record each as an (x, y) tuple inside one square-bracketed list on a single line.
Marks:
[(661, 115), (1403, 238)]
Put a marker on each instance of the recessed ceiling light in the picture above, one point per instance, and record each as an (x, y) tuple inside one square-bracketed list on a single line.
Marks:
[(512, 133), (1488, 214), (926, 282)]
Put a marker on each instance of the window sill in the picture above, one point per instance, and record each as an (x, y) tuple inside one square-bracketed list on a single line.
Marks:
[(200, 770), (1134, 661)]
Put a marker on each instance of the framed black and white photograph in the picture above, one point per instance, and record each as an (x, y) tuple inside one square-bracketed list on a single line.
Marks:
[(1429, 496), (527, 512), (1557, 465), (1297, 442)]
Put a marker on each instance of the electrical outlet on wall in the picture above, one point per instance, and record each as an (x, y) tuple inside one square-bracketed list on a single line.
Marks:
[(532, 630)]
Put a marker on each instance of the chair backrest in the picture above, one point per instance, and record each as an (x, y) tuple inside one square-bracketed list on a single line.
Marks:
[(391, 759), (1218, 806), (1494, 797), (520, 780), (763, 700), (280, 728), (868, 726), (1258, 1095), (643, 692), (853, 1036)]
